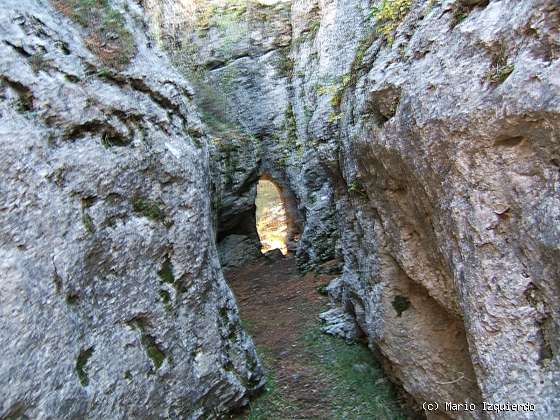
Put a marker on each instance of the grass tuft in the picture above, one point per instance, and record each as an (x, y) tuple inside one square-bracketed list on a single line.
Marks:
[(359, 388), (270, 404), (500, 69)]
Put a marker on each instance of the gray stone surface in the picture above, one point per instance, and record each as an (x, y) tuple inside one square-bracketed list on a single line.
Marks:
[(112, 301), (241, 56), (447, 196), (238, 250), (430, 165), (340, 323)]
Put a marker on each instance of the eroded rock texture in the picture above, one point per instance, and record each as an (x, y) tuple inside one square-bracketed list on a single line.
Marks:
[(423, 150), (444, 156), (239, 54), (112, 300)]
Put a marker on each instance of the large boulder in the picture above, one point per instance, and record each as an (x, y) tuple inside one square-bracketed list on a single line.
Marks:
[(112, 300), (447, 149)]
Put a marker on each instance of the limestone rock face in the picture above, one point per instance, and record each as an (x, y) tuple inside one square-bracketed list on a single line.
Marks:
[(424, 150), (240, 56), (112, 300), (237, 251), (444, 160)]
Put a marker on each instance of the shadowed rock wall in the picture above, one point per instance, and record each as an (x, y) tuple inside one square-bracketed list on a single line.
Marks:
[(422, 148), (113, 304), (443, 154)]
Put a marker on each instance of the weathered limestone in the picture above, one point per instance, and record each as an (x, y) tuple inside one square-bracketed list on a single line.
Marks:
[(426, 156), (447, 200), (112, 300), (422, 150)]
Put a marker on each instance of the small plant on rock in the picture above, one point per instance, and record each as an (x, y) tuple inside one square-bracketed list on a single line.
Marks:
[(389, 15), (356, 188), (500, 69), (107, 35), (148, 208), (334, 117)]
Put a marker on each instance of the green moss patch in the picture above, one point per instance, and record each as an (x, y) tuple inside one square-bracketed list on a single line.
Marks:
[(87, 221), (81, 363), (271, 404), (153, 351), (150, 209), (106, 33), (389, 14), (358, 387), (400, 304), (356, 188), (166, 272)]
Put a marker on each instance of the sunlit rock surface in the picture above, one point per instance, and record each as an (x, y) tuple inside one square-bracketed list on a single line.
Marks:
[(428, 160), (112, 301), (425, 157)]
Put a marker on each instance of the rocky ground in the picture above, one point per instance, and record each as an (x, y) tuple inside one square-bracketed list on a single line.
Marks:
[(310, 375)]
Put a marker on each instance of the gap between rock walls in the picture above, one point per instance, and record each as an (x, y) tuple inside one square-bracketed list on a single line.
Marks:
[(279, 209)]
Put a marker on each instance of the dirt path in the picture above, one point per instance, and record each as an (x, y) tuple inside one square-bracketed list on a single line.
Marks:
[(310, 375)]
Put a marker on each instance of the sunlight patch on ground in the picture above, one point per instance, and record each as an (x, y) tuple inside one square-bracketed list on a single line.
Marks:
[(271, 217)]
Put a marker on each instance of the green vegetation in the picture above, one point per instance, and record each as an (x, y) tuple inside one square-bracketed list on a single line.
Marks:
[(314, 27), (87, 221), (400, 304), (356, 188), (248, 325), (334, 117), (286, 64), (107, 36), (148, 208), (290, 124), (72, 299), (24, 103), (166, 272), (460, 13), (389, 15), (166, 299), (151, 348), (500, 69), (227, 19), (109, 139), (164, 295), (81, 363), (270, 404), (358, 388), (499, 74), (105, 73), (335, 89), (322, 289), (72, 78)]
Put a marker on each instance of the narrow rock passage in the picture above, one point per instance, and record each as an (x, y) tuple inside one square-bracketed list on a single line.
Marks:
[(310, 375)]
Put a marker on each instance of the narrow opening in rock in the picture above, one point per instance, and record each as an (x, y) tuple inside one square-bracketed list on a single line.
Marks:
[(271, 217)]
